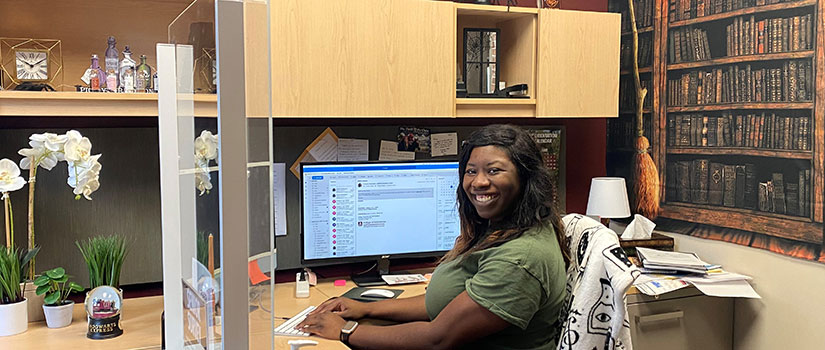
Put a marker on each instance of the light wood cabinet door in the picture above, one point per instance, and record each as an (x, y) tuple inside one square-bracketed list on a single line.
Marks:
[(578, 64), (363, 58)]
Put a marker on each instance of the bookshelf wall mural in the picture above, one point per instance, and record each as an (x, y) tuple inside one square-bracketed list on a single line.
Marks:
[(735, 115)]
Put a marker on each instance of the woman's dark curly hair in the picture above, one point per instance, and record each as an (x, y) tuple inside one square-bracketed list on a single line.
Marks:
[(534, 206)]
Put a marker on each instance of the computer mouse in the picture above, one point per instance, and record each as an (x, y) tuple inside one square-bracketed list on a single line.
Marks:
[(377, 293)]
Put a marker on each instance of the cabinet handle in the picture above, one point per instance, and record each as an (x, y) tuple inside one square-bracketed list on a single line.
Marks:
[(641, 320)]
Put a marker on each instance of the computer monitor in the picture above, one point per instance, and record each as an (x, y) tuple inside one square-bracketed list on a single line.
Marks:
[(364, 211)]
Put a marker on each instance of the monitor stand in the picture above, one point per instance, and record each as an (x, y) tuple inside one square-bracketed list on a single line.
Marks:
[(372, 277)]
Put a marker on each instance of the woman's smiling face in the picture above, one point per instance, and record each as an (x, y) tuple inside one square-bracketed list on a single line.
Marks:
[(491, 182)]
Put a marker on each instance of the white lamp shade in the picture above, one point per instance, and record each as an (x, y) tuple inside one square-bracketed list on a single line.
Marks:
[(608, 198)]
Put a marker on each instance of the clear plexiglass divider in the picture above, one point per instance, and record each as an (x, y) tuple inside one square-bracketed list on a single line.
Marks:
[(216, 177)]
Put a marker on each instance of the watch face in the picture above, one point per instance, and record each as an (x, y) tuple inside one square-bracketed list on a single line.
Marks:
[(32, 65)]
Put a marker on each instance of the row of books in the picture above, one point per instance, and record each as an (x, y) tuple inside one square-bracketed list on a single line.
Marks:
[(687, 9), (627, 93), (622, 131), (746, 36), (645, 49), (642, 8), (791, 82), (701, 181), (688, 44), (765, 130)]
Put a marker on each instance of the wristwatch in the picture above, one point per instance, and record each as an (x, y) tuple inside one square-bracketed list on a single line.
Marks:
[(349, 327)]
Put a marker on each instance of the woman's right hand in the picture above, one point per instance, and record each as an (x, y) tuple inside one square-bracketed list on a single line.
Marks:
[(345, 307)]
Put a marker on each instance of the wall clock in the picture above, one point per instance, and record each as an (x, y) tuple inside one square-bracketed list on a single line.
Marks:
[(31, 65)]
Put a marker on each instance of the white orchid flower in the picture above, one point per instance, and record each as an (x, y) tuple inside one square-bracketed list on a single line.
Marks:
[(52, 142), (77, 150), (206, 146), (10, 179), (203, 182), (38, 156), (84, 176)]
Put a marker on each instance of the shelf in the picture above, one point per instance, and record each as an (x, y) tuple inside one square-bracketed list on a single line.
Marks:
[(744, 11), (641, 70), (633, 111), (640, 31), (92, 104), (779, 225), (741, 105), (741, 59), (488, 10), (495, 107), (495, 101), (739, 151)]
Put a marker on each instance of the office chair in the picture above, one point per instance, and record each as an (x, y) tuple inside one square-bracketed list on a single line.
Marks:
[(594, 313)]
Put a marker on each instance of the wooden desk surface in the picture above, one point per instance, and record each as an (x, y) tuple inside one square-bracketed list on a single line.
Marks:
[(141, 322)]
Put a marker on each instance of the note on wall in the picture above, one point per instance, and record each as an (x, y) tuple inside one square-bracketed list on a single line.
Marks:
[(353, 150), (389, 151), (445, 144), (323, 149), (279, 198)]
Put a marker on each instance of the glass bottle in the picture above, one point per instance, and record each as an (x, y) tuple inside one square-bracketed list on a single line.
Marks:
[(111, 57), (111, 81), (143, 78), (96, 74), (155, 82), (128, 80), (127, 64)]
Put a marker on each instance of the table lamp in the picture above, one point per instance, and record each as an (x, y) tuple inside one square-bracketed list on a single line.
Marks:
[(608, 199)]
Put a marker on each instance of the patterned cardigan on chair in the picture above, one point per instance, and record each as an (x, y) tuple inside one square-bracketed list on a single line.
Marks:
[(594, 314)]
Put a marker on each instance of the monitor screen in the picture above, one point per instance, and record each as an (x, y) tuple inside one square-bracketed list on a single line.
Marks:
[(367, 210)]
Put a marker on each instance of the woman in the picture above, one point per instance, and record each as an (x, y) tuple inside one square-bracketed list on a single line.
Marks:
[(502, 284)]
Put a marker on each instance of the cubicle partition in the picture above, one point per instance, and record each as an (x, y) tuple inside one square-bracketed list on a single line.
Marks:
[(216, 177)]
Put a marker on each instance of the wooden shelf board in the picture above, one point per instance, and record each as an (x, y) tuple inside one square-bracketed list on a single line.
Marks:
[(779, 225), (640, 30), (630, 111), (741, 105), (495, 101), (496, 110), (739, 151), (744, 11), (93, 104), (641, 70), (741, 59), (487, 10)]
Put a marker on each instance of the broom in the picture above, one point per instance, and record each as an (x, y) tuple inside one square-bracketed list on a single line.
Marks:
[(646, 176)]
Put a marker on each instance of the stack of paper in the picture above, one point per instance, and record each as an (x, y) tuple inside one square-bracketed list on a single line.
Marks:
[(663, 262)]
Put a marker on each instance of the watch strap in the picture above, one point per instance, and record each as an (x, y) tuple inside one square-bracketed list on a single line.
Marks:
[(348, 328)]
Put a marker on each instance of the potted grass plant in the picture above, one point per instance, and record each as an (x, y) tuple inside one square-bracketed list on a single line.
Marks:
[(104, 257), (55, 286), (14, 316)]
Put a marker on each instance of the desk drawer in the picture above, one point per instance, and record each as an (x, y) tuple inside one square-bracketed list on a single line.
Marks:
[(688, 323)]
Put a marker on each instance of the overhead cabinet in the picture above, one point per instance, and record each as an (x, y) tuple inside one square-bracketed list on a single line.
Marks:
[(402, 58)]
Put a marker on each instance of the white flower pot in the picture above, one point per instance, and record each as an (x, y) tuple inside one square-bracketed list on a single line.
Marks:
[(58, 316), (13, 318), (35, 302)]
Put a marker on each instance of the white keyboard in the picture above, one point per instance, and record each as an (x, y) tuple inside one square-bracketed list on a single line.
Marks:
[(288, 328)]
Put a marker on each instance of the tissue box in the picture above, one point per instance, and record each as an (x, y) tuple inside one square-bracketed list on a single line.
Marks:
[(656, 241)]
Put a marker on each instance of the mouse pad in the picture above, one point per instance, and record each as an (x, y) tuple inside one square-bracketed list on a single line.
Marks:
[(355, 294)]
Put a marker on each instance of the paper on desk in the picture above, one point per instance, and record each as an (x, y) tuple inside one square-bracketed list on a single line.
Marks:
[(323, 149), (717, 276), (404, 279), (389, 151), (639, 228), (353, 150), (279, 195), (737, 289), (658, 284), (445, 144)]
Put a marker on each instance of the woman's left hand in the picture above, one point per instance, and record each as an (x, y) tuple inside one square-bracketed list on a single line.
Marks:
[(326, 325)]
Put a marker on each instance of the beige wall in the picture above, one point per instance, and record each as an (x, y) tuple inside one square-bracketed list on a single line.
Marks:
[(791, 313)]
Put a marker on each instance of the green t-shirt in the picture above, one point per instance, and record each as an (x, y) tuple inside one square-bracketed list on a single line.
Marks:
[(522, 281)]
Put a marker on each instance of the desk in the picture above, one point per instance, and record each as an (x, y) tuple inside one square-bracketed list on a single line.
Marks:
[(141, 322)]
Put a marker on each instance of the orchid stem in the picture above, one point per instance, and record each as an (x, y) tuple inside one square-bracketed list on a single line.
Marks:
[(9, 241)]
